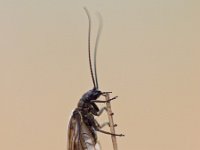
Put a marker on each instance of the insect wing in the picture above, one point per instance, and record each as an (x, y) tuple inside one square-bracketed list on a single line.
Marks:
[(73, 134), (87, 138), (98, 146), (79, 135)]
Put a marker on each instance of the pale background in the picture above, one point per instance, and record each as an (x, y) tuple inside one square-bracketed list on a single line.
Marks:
[(148, 56)]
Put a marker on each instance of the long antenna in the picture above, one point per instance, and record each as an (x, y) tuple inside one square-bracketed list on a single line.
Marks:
[(96, 46), (89, 34)]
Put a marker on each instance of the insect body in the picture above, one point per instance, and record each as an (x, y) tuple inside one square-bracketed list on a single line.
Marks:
[(82, 125)]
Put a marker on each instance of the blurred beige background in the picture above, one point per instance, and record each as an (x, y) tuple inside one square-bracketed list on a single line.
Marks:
[(148, 56)]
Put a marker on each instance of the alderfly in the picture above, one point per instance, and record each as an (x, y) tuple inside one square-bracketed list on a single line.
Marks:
[(82, 125)]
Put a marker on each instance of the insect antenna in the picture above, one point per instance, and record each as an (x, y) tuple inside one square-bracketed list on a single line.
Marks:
[(89, 51), (96, 46)]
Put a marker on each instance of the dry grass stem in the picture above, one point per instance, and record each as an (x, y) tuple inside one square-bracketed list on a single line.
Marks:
[(110, 117)]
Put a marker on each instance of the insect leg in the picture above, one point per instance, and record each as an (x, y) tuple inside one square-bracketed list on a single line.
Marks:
[(98, 127), (101, 111), (103, 101), (105, 132), (103, 93)]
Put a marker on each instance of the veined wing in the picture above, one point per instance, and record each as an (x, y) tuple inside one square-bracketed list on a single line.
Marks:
[(79, 135), (73, 142)]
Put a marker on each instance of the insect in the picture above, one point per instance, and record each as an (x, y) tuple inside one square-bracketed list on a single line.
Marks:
[(82, 125)]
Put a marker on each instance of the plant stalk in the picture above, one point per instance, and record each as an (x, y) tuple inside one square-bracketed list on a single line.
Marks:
[(111, 122)]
